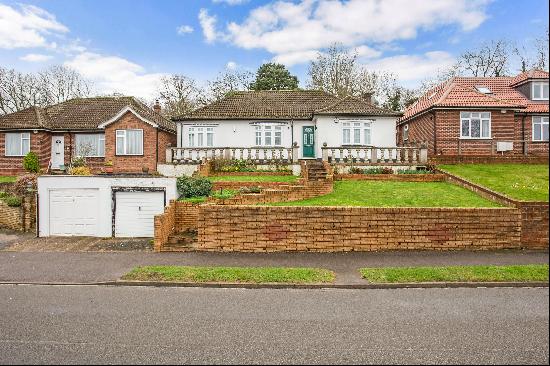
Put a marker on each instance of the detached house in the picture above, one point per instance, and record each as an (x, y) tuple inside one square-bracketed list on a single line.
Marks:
[(260, 123), (470, 116), (117, 130)]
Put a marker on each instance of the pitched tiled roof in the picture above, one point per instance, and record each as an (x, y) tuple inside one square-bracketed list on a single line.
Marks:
[(281, 104), (356, 106), (463, 92), (81, 114), (531, 74)]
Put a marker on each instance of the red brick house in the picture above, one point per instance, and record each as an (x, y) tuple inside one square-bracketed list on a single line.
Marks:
[(120, 130), (469, 117)]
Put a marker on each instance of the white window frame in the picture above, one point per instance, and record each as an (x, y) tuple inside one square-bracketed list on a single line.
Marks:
[(101, 138), (123, 136), (22, 136), (356, 128), (463, 118), (540, 85), (542, 120), (198, 136), (266, 134), (406, 132)]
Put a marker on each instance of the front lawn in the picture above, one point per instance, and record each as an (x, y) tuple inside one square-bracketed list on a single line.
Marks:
[(7, 179), (526, 182), (254, 178), (518, 273), (230, 274), (396, 194)]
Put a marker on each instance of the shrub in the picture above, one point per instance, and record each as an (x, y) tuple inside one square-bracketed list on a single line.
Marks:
[(431, 167), (3, 194), (372, 171), (13, 201), (78, 161), (24, 183), (193, 187), (356, 170), (80, 170), (252, 189), (387, 170), (30, 162)]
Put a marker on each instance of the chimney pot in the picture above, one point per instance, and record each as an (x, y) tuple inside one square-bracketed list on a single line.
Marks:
[(156, 107), (367, 97)]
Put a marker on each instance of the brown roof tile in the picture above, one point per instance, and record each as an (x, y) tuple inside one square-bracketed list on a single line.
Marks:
[(81, 114), (356, 106)]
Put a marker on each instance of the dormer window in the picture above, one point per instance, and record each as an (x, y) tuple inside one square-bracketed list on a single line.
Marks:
[(539, 90), (483, 89)]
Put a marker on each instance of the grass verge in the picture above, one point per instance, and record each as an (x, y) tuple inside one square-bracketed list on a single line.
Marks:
[(517, 273), (526, 182), (230, 274), (395, 194), (254, 178)]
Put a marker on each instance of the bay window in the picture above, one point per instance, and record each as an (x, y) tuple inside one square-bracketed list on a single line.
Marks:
[(129, 142), (540, 128), (356, 133), (475, 125), (201, 136), (268, 135), (18, 144), (90, 145), (539, 90)]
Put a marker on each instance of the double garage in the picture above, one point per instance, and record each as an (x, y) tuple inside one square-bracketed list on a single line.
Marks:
[(101, 205)]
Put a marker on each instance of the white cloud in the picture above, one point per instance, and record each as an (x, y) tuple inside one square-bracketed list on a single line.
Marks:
[(412, 69), (27, 27), (35, 57), (112, 74), (231, 65), (208, 25), (293, 58), (289, 29), (184, 29), (231, 2), (367, 52)]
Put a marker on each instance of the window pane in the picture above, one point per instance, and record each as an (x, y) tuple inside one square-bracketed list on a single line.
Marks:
[(200, 141), (536, 91), (134, 142), (25, 146), (356, 135), (536, 131), (545, 91), (101, 146), (210, 139), (13, 144), (258, 138), (346, 138), (486, 115), (475, 125), (277, 138), (267, 138), (191, 139), (120, 144), (87, 145), (464, 114), (485, 128), (465, 130), (367, 136), (545, 132)]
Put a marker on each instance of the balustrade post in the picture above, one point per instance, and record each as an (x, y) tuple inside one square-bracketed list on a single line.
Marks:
[(295, 152), (374, 155), (169, 153), (423, 154), (324, 152)]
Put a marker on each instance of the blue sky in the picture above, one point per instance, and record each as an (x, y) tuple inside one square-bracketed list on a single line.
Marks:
[(127, 45)]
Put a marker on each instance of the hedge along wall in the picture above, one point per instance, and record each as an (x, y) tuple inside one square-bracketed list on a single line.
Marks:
[(393, 177), (21, 218), (333, 229)]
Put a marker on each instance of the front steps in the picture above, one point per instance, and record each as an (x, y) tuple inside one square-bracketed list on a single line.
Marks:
[(315, 170), (180, 242)]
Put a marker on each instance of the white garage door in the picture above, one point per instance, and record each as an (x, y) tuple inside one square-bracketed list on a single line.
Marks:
[(74, 212), (135, 211)]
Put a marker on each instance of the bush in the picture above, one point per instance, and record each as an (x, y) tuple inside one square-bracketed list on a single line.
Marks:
[(13, 201), (24, 183), (30, 162), (372, 171), (387, 170), (413, 171), (431, 167), (3, 194), (80, 170), (253, 189), (193, 187), (78, 161), (356, 170)]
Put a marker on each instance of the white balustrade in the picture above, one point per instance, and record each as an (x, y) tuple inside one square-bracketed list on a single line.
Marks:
[(197, 155), (375, 155)]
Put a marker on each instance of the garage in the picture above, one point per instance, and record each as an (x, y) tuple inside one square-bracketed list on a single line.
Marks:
[(102, 206), (135, 212), (74, 212)]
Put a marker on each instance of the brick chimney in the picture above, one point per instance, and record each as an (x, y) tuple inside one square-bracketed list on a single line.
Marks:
[(367, 97), (156, 107)]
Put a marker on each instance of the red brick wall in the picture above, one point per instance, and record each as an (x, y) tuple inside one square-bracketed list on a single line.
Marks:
[(420, 132), (534, 224), (135, 164), (266, 229), (165, 139), (40, 144), (394, 177)]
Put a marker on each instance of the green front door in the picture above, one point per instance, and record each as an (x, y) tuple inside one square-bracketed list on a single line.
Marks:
[(308, 141)]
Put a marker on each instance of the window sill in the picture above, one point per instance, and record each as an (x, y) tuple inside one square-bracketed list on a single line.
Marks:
[(475, 138), (540, 141)]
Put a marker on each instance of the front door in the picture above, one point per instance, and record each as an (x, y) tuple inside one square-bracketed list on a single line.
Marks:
[(308, 151), (58, 151)]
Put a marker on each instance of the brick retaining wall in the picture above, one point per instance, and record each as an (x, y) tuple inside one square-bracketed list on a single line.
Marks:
[(267, 229), (216, 186), (464, 159), (393, 177), (21, 218)]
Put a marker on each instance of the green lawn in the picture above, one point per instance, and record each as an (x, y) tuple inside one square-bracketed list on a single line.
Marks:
[(7, 179), (395, 194), (526, 182), (254, 178), (230, 274), (519, 273)]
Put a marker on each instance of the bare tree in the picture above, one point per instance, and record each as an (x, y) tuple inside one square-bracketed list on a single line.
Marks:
[(490, 59), (226, 82), (178, 94), (541, 47), (54, 85)]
